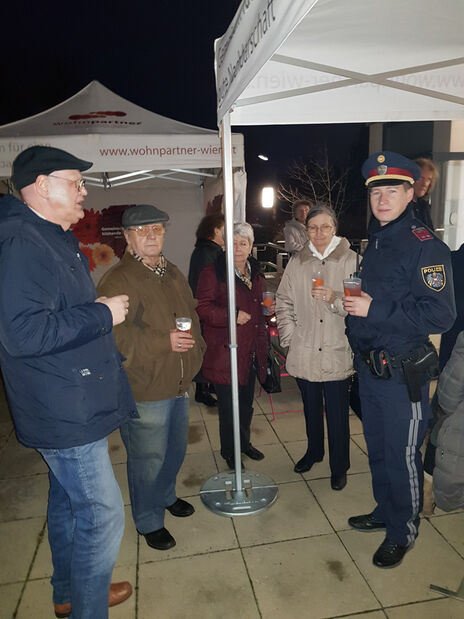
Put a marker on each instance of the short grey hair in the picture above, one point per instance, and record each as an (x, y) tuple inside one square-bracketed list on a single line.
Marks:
[(244, 229), (322, 209)]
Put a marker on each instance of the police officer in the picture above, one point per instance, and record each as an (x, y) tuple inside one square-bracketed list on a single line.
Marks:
[(407, 294)]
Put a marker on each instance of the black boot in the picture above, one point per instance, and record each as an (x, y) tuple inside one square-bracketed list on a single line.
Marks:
[(203, 395)]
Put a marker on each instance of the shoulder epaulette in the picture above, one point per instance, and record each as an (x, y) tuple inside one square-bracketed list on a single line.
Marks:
[(422, 234)]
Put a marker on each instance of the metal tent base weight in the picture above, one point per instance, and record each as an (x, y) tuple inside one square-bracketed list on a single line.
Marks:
[(220, 495)]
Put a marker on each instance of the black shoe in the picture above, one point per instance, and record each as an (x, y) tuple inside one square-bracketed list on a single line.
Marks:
[(338, 482), (389, 554), (305, 464), (181, 508), (253, 453), (365, 523), (230, 461), (160, 539), (203, 395)]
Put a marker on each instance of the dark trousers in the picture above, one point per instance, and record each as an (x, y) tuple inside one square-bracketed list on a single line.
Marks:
[(336, 396), (394, 429), (245, 398)]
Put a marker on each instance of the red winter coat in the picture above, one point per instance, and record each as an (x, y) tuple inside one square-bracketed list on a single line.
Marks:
[(212, 309)]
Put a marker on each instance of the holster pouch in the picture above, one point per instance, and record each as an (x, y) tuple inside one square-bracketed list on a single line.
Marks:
[(418, 368), (379, 363)]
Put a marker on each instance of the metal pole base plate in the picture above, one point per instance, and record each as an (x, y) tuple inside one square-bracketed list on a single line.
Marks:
[(219, 494), (457, 595)]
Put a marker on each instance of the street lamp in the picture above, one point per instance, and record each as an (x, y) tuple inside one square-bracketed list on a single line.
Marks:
[(267, 197)]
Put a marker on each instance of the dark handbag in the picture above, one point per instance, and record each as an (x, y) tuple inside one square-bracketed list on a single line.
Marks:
[(272, 382)]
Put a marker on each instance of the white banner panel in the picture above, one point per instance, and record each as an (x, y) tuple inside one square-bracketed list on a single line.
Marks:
[(115, 153), (256, 32)]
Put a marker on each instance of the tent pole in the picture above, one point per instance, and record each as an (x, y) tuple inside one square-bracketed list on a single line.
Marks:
[(252, 492), (226, 147)]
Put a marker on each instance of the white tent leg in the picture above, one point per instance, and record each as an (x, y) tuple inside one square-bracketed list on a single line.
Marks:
[(256, 491)]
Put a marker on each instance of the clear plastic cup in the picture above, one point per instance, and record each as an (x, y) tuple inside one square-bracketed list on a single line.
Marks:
[(184, 324), (352, 286), (317, 279), (268, 300)]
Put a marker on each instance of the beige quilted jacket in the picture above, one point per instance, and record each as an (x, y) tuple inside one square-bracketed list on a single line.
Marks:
[(314, 331)]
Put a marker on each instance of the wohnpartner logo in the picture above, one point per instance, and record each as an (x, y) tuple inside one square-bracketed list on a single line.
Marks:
[(97, 118)]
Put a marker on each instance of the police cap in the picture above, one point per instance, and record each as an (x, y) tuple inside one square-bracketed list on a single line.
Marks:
[(38, 160), (143, 214), (387, 168)]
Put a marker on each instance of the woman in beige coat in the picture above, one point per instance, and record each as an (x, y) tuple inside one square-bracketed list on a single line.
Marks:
[(311, 323)]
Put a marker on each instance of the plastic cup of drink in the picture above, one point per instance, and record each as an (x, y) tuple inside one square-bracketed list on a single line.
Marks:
[(352, 287), (184, 324), (318, 280), (268, 300)]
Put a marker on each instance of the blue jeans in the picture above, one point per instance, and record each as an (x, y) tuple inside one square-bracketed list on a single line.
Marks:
[(156, 443), (85, 526)]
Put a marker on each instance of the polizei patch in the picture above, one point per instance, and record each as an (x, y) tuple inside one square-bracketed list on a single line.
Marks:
[(434, 277)]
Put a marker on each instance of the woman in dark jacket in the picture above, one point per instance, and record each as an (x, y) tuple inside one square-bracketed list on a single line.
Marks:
[(251, 338), (209, 244)]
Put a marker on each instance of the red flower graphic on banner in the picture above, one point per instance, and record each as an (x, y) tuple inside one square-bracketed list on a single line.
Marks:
[(87, 229), (87, 251), (103, 255)]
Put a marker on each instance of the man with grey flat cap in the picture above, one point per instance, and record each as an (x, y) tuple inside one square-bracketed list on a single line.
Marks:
[(161, 361), (65, 383)]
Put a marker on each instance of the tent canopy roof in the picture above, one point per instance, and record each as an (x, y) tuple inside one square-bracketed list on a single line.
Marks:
[(118, 136), (330, 61), (96, 109)]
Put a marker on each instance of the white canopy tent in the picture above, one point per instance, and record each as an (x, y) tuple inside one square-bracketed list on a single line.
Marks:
[(118, 135), (333, 61), (339, 61), (147, 157)]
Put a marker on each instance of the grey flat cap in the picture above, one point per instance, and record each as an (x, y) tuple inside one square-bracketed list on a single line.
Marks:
[(143, 214)]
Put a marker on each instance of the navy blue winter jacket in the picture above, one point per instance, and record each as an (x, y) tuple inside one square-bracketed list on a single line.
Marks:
[(407, 271), (63, 373)]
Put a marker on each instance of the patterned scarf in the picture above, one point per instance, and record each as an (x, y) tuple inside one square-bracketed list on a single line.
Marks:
[(159, 269), (245, 277)]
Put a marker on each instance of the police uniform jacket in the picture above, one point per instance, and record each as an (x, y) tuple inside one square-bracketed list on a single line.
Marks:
[(313, 330), (63, 374), (406, 270)]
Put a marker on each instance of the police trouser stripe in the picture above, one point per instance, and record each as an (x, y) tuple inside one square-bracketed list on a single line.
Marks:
[(411, 451)]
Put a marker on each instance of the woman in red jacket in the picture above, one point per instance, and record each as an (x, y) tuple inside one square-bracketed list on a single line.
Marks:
[(251, 338)]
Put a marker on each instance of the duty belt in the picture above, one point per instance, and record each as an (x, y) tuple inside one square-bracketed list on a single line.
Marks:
[(417, 366)]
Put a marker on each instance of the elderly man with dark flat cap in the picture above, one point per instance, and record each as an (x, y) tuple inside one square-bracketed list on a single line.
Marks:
[(161, 361), (63, 374), (407, 294)]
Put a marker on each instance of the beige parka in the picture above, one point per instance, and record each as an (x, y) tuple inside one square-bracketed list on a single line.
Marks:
[(314, 331)]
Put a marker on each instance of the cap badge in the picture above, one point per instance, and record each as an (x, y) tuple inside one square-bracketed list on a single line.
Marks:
[(382, 169), (380, 158)]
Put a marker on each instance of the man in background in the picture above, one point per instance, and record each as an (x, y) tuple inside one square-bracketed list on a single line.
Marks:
[(295, 233)]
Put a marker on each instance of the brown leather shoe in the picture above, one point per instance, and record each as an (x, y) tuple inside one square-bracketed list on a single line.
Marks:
[(119, 592)]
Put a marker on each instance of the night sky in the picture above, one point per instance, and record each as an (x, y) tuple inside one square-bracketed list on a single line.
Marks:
[(159, 55)]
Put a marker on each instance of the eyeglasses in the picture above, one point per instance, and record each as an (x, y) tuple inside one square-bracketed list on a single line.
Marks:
[(79, 184), (324, 228), (157, 229)]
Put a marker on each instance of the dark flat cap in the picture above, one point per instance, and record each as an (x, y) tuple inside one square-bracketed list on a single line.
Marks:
[(38, 160), (143, 214), (387, 168)]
